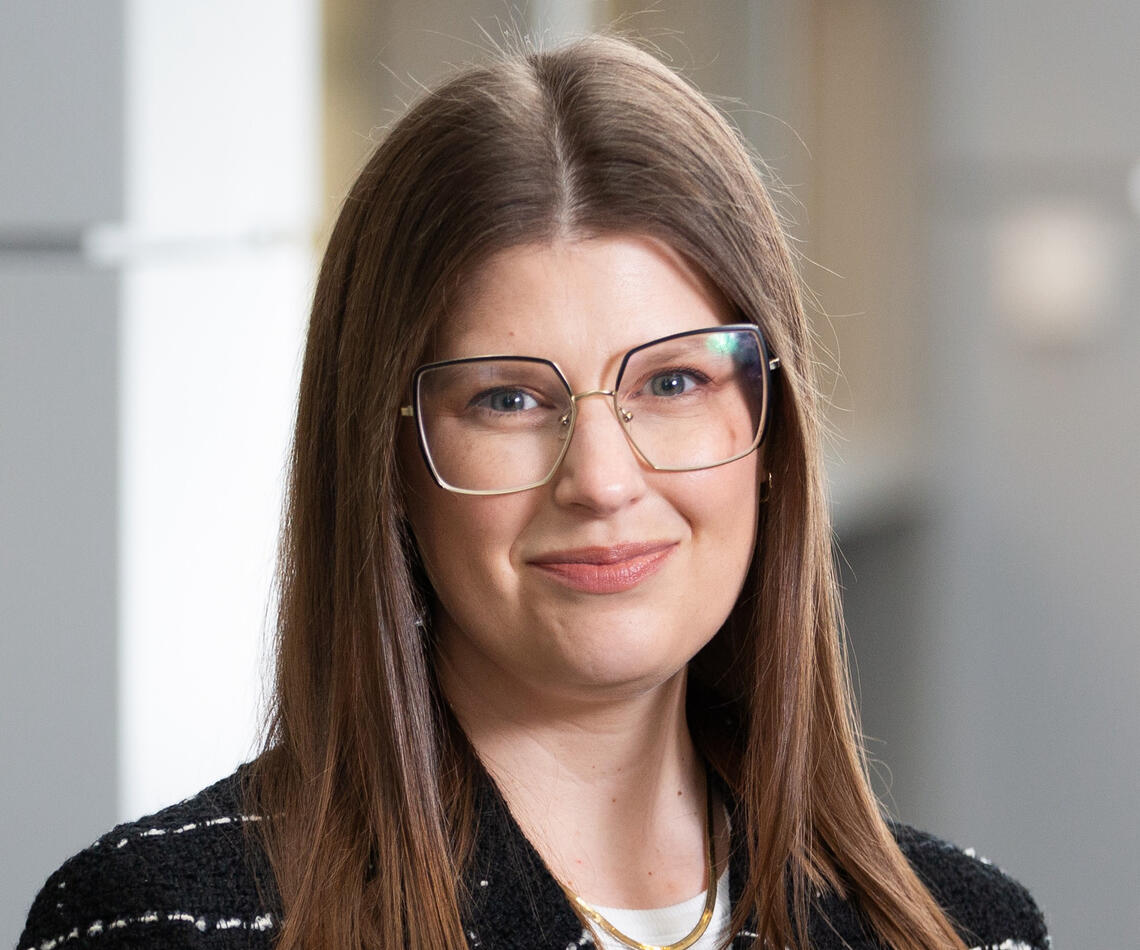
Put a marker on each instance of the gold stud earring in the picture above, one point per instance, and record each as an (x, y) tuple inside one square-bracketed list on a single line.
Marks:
[(766, 489)]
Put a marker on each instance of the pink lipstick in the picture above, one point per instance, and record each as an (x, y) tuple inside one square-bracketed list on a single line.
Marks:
[(606, 570)]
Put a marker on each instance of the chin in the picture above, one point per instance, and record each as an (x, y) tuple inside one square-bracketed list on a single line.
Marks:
[(616, 673)]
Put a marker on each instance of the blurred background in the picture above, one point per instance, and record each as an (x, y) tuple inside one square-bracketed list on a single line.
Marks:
[(962, 180)]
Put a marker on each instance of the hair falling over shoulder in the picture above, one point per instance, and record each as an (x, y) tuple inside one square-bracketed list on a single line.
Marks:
[(368, 779)]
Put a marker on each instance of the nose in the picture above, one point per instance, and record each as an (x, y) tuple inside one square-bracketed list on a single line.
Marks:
[(600, 470)]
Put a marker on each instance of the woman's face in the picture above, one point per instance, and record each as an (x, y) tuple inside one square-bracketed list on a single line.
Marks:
[(609, 578)]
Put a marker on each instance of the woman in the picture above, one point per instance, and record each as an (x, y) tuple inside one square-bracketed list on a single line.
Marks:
[(559, 636)]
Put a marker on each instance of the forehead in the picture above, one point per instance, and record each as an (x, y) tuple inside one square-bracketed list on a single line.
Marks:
[(579, 302)]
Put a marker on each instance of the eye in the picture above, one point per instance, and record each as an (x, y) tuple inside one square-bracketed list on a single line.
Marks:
[(673, 383), (505, 400)]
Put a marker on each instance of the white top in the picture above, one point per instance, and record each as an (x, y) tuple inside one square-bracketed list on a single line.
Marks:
[(661, 926)]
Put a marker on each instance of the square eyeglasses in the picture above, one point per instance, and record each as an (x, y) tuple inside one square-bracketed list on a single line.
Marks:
[(493, 425)]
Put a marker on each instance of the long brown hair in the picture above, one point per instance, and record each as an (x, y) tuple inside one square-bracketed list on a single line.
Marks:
[(368, 783)]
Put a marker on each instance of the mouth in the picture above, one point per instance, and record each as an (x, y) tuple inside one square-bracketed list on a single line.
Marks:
[(605, 570)]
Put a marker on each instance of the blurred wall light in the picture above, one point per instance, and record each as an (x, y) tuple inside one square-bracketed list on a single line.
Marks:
[(1055, 272)]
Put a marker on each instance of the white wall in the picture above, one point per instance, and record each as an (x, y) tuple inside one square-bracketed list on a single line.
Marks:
[(220, 181)]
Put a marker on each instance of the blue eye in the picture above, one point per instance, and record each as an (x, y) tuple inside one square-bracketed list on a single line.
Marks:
[(505, 401), (673, 383)]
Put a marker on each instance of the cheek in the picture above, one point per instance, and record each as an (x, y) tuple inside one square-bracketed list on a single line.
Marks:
[(723, 504), (464, 541), (738, 519), (722, 511)]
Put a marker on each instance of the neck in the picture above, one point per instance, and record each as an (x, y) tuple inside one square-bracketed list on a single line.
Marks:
[(608, 788)]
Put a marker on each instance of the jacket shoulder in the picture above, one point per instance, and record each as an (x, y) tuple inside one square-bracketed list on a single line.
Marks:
[(989, 908), (190, 875)]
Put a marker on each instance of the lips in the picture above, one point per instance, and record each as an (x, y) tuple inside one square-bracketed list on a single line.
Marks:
[(605, 570)]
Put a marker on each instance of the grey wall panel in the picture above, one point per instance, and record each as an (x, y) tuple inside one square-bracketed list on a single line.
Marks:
[(61, 116), (58, 576), (1037, 81), (1035, 610)]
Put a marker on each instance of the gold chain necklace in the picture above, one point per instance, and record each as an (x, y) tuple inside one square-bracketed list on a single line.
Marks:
[(710, 894)]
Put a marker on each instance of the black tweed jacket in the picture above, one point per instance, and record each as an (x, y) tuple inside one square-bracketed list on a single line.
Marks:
[(188, 877)]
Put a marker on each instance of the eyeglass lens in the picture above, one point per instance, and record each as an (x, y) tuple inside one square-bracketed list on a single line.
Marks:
[(502, 424)]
